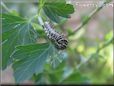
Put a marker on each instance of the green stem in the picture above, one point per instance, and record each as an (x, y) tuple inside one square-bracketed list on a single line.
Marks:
[(89, 17), (35, 77), (97, 51), (41, 4), (38, 16), (105, 45), (5, 7)]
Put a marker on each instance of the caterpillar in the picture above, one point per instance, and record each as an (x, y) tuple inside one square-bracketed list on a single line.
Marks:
[(59, 39)]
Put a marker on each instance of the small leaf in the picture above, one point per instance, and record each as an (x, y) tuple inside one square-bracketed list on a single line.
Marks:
[(30, 59), (57, 9), (51, 15)]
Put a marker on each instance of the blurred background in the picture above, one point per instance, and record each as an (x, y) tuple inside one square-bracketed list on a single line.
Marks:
[(83, 62)]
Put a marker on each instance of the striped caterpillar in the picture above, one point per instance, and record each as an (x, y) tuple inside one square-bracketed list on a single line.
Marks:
[(59, 40)]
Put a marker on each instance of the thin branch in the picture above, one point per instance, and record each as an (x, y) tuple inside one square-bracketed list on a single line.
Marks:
[(34, 77), (105, 44), (97, 51), (89, 17), (5, 7)]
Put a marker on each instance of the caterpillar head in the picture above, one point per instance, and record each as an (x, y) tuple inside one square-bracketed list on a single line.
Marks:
[(61, 42)]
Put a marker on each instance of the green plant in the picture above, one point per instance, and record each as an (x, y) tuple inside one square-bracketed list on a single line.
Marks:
[(31, 57), (20, 37)]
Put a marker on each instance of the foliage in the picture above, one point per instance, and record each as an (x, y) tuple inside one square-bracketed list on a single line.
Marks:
[(16, 31), (33, 56), (55, 9)]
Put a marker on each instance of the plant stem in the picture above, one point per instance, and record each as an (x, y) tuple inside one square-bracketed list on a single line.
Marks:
[(41, 4), (5, 7), (97, 51), (38, 16), (35, 77), (89, 17), (105, 45)]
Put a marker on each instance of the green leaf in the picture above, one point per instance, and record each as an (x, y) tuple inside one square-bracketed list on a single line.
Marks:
[(50, 75), (39, 29), (30, 59), (57, 58), (15, 31), (51, 15), (57, 9), (75, 78), (41, 79)]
